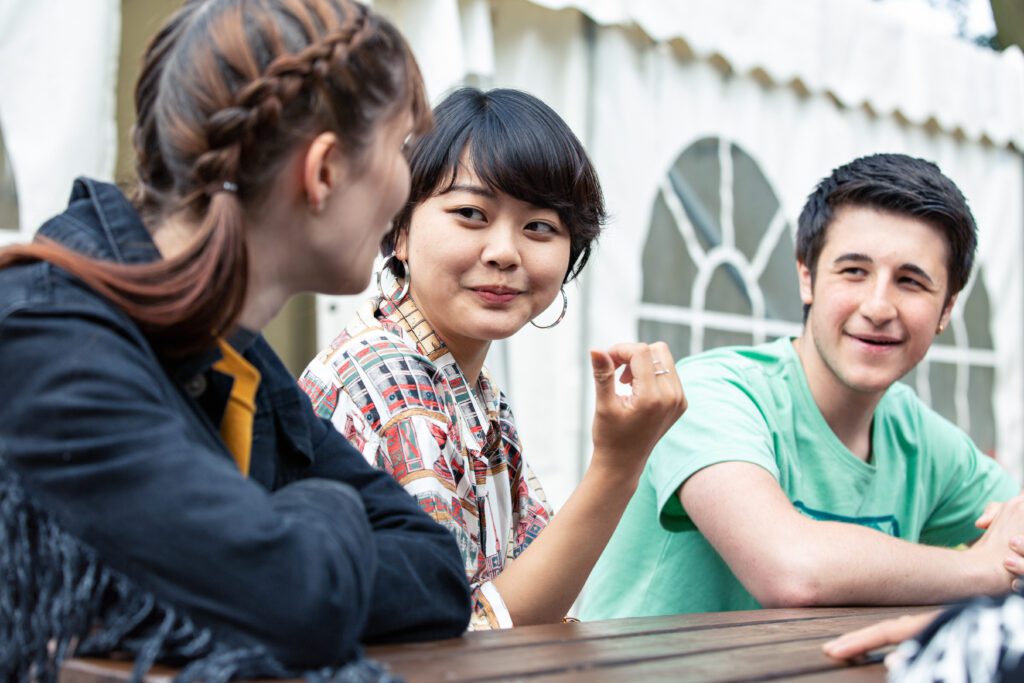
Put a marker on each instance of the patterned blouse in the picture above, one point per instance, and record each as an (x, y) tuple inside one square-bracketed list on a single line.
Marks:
[(393, 389)]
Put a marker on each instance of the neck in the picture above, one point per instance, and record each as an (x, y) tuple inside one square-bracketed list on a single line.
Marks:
[(266, 291), (471, 363), (848, 412)]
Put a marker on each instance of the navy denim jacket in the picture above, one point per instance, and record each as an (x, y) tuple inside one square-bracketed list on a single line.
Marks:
[(122, 449)]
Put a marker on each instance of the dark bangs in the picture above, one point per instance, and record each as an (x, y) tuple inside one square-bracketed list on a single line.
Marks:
[(515, 144)]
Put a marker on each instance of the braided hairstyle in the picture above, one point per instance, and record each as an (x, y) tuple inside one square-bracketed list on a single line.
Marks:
[(227, 89)]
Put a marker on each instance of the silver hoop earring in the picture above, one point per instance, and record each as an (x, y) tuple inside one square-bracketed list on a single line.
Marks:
[(565, 307), (408, 279)]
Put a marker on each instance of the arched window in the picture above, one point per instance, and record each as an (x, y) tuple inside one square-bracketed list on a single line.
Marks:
[(719, 269), (718, 262)]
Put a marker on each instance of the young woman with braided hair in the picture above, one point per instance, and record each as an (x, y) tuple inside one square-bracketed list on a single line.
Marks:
[(165, 489)]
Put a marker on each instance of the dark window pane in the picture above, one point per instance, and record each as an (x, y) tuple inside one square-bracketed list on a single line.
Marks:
[(779, 283), (714, 338), (676, 336), (979, 398), (754, 202), (8, 191), (668, 268), (942, 377), (726, 293), (978, 316), (695, 178)]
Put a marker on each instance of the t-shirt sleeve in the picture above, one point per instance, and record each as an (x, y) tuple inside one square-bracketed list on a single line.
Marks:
[(970, 481), (723, 423)]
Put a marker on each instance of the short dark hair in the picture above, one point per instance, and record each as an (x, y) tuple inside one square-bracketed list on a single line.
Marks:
[(515, 144), (898, 184)]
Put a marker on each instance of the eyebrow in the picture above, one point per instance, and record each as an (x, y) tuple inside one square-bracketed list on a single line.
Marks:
[(479, 190), (864, 258)]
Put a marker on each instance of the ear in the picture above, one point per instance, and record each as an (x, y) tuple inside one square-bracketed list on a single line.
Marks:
[(947, 312), (402, 245), (803, 273), (322, 170)]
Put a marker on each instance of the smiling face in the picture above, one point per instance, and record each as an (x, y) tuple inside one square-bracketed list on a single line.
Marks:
[(877, 298), (482, 262)]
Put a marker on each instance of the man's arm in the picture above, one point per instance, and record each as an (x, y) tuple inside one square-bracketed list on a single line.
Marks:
[(788, 560)]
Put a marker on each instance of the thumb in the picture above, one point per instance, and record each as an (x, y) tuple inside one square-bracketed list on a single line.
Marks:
[(604, 375), (987, 516)]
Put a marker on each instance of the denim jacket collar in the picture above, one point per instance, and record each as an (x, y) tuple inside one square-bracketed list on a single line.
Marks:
[(102, 223)]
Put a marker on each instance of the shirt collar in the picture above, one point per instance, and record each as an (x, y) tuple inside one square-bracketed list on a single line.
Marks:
[(408, 318)]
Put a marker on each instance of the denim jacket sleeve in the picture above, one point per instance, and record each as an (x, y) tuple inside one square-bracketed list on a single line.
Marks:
[(103, 440), (420, 587)]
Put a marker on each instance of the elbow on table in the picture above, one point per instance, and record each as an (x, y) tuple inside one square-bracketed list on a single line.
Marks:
[(790, 586), (317, 632)]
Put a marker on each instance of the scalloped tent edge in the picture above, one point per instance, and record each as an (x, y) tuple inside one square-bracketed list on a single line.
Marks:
[(857, 69)]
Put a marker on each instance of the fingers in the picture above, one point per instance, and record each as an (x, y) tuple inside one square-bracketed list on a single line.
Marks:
[(604, 375), (888, 632), (1014, 562), (646, 363), (991, 510)]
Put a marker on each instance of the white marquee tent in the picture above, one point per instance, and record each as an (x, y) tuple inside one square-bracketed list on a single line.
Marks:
[(709, 122)]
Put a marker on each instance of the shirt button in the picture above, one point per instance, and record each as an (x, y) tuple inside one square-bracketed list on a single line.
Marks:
[(196, 386)]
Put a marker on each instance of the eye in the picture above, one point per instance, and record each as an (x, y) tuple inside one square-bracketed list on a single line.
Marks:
[(911, 282), (542, 228), (470, 213), (854, 271)]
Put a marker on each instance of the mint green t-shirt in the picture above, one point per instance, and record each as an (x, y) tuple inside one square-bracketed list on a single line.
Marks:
[(926, 481)]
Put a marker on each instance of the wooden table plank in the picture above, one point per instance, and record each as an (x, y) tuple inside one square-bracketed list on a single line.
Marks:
[(729, 646), (557, 633), (797, 661), (108, 671), (614, 650)]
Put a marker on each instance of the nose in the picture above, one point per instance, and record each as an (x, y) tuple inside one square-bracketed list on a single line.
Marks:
[(501, 249), (879, 306)]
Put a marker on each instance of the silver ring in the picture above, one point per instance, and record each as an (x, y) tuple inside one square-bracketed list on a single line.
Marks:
[(660, 372)]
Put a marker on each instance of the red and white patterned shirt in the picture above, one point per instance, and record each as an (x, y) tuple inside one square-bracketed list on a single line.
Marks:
[(393, 389)]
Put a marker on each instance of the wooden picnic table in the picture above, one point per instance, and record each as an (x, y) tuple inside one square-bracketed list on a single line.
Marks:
[(774, 644)]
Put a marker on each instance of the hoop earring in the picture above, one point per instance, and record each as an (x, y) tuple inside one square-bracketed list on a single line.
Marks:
[(408, 279), (565, 307)]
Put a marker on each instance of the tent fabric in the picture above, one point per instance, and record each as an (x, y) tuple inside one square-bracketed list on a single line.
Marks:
[(57, 112), (878, 64)]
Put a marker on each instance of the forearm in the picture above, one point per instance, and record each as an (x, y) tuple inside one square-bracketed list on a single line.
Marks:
[(420, 588), (786, 559), (542, 583), (846, 564)]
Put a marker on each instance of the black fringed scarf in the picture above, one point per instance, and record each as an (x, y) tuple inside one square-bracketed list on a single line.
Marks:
[(58, 600)]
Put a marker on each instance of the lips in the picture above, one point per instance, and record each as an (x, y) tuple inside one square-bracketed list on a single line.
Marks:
[(876, 340), (496, 294)]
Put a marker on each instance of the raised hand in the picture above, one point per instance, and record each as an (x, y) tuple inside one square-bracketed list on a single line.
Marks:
[(628, 425)]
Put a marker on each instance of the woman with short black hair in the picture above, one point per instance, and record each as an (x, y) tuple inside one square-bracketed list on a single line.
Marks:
[(504, 208)]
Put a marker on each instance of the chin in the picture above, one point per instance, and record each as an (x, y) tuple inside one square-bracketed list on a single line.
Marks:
[(871, 383), (497, 334)]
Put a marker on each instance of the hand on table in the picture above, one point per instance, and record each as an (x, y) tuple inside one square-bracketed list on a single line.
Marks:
[(888, 632), (1002, 544), (626, 426)]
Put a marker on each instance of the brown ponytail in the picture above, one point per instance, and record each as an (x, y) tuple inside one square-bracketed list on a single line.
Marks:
[(227, 88)]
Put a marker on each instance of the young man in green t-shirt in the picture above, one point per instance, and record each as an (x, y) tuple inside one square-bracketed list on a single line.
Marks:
[(802, 473)]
